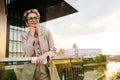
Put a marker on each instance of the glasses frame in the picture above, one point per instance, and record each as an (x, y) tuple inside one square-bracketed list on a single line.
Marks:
[(31, 18)]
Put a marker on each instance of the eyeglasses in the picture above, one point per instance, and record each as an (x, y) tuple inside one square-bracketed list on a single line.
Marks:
[(31, 18)]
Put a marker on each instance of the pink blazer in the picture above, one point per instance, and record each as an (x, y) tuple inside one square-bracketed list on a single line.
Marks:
[(45, 40)]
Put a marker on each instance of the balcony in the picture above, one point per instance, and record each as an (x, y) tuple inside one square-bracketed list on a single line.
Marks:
[(68, 67)]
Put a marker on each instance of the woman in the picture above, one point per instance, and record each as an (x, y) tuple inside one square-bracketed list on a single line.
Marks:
[(37, 42)]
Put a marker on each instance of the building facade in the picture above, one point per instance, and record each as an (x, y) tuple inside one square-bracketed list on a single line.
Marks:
[(86, 53)]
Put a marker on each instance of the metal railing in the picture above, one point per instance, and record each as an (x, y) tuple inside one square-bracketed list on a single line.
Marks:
[(16, 59), (63, 64), (59, 58)]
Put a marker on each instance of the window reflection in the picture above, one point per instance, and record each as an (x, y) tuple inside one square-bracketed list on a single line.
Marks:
[(15, 43)]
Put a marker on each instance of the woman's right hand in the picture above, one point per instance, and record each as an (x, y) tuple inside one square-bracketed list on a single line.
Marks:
[(32, 31)]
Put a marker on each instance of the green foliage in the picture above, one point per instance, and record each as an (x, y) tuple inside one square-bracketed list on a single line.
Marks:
[(89, 68), (98, 68), (101, 68), (1, 74), (103, 58), (97, 59), (9, 75), (88, 60)]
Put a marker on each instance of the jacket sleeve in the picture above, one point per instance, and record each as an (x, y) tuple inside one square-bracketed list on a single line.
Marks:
[(28, 45), (52, 49)]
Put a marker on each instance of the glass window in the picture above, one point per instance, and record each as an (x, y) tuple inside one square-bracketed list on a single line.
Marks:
[(19, 35), (10, 46), (15, 43), (11, 34), (18, 47)]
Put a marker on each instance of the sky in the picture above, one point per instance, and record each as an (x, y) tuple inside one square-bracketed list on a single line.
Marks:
[(95, 25)]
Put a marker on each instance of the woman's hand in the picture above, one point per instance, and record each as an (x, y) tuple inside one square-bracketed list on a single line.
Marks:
[(34, 31), (41, 59)]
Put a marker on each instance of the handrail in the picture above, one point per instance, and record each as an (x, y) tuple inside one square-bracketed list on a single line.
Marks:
[(15, 59), (95, 64), (12, 59)]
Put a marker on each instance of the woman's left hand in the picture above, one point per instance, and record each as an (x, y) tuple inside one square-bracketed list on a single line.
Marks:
[(41, 59)]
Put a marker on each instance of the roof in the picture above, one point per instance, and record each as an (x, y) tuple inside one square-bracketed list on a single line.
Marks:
[(49, 9)]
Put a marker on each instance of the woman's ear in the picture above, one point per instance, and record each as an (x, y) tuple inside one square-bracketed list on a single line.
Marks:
[(26, 24)]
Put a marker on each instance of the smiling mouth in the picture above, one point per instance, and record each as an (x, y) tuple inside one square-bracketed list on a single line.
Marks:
[(34, 23)]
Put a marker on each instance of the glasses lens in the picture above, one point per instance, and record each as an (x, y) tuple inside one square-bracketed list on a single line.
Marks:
[(31, 18), (35, 18)]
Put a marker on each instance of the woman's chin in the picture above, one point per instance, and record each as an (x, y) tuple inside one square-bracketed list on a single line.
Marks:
[(34, 26)]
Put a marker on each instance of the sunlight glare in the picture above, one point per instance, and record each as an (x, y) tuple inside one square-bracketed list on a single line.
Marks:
[(112, 67)]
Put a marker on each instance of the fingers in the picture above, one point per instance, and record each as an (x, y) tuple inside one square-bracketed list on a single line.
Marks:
[(39, 61), (32, 31)]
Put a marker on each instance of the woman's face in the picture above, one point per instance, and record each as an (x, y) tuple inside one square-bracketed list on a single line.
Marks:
[(32, 20)]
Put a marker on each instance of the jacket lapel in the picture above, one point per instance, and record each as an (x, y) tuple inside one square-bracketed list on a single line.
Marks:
[(41, 38)]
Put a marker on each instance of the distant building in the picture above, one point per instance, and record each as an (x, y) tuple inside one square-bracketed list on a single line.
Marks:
[(86, 53), (70, 52), (89, 52)]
